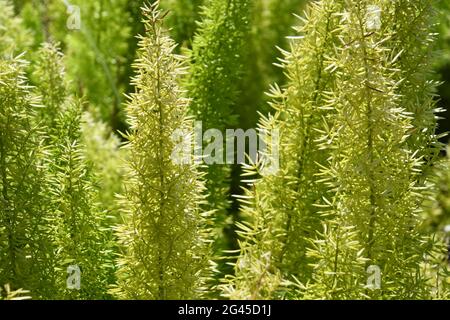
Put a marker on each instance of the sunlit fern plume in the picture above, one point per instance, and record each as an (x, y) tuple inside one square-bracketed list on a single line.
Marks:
[(165, 249)]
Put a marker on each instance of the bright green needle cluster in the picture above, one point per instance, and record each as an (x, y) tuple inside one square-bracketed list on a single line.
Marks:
[(163, 235), (357, 121), (23, 241)]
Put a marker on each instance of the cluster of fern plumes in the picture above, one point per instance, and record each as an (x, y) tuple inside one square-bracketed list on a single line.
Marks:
[(357, 120), (94, 205)]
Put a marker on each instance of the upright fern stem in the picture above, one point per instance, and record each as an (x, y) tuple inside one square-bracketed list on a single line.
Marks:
[(163, 235), (214, 82), (280, 209), (377, 156), (24, 244)]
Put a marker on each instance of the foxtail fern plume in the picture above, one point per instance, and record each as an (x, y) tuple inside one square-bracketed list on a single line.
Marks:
[(79, 232), (163, 235), (14, 38), (416, 45), (25, 250), (23, 241), (78, 227), (375, 157), (101, 146), (215, 77), (281, 208), (49, 77)]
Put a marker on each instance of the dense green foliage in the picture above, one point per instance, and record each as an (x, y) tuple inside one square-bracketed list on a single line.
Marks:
[(214, 85), (23, 241), (163, 233), (378, 122), (282, 206), (107, 191), (355, 98), (77, 222)]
